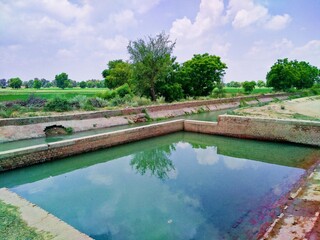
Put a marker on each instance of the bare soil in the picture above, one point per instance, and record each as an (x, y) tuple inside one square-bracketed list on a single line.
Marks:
[(307, 108)]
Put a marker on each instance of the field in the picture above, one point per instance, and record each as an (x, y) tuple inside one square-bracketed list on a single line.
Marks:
[(48, 93)]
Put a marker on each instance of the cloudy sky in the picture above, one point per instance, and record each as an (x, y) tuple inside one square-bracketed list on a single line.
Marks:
[(41, 38)]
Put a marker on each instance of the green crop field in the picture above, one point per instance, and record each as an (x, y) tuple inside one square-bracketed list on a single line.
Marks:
[(46, 93), (49, 93), (241, 90)]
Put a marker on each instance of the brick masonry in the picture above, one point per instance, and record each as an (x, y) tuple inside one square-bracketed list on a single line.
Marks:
[(303, 132), (47, 152)]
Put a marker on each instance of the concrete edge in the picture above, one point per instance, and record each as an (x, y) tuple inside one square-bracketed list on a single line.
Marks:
[(69, 142), (265, 119), (40, 219)]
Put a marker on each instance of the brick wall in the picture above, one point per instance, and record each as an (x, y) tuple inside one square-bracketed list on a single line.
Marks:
[(304, 132), (47, 152)]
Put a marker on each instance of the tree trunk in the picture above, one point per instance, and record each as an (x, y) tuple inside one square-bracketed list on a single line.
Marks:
[(153, 94)]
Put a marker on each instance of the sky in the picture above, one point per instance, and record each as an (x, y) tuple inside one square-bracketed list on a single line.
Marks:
[(42, 38)]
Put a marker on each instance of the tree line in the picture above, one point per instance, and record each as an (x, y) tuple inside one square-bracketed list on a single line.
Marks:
[(152, 71)]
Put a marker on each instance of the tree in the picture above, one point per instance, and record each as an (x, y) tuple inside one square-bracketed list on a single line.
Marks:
[(234, 84), (201, 74), (248, 86), (151, 59), (37, 83), (307, 76), (285, 74), (15, 82), (3, 83), (117, 74), (83, 84), (62, 80), (261, 83)]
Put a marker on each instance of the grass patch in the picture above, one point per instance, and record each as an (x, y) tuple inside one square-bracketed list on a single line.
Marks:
[(47, 93), (12, 227), (304, 117)]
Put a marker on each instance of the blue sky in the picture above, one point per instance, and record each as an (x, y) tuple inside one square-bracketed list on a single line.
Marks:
[(41, 38)]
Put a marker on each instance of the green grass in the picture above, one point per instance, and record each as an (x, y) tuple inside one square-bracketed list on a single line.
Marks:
[(12, 227), (47, 93), (241, 90)]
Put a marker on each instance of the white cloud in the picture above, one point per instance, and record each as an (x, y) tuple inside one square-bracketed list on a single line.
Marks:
[(123, 19), (278, 22), (117, 43), (208, 156), (143, 6), (245, 13), (246, 17), (209, 15)]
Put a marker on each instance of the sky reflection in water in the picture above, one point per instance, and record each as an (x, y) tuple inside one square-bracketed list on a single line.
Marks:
[(174, 191)]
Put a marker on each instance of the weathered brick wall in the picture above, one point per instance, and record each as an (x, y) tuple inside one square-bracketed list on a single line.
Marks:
[(128, 111), (304, 132), (47, 152)]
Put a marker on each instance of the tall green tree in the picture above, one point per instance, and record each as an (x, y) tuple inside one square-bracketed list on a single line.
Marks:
[(151, 58), (285, 74), (15, 82), (117, 74), (201, 74), (37, 83), (62, 80)]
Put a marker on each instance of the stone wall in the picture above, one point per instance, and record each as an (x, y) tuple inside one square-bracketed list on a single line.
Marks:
[(47, 152), (128, 111), (303, 132)]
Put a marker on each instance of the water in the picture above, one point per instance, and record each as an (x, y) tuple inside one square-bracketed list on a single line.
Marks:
[(179, 186), (207, 116)]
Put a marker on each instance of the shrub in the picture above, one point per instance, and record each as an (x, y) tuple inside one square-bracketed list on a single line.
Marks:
[(108, 94), (34, 101), (98, 102), (78, 102), (160, 100), (117, 100), (219, 92), (123, 90), (57, 104), (141, 101)]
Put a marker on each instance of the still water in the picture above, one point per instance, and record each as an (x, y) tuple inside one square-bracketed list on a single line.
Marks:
[(179, 186)]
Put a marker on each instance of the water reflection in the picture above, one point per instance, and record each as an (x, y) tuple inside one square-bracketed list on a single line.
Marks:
[(154, 161), (195, 191)]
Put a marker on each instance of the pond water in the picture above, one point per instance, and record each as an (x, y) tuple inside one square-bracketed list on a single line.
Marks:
[(207, 116), (179, 186)]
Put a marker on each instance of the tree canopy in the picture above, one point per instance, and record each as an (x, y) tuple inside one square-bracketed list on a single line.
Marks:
[(15, 82), (201, 74), (117, 74), (62, 80), (151, 59), (285, 74)]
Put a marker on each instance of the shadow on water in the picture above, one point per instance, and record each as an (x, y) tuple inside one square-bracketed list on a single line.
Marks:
[(152, 156)]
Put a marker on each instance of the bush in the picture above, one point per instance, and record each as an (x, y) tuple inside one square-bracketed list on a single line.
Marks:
[(219, 92), (123, 90), (141, 101), (98, 102), (78, 102), (34, 101), (57, 104), (117, 100), (108, 94), (161, 100)]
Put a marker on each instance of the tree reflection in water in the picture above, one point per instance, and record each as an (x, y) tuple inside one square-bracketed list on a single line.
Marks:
[(155, 161)]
